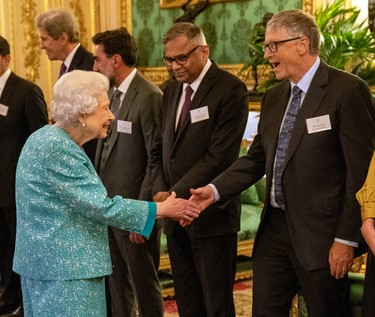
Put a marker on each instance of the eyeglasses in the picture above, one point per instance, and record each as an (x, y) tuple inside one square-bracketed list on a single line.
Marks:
[(272, 46), (180, 60)]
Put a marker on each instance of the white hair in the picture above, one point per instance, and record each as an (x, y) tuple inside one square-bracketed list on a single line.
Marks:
[(75, 93)]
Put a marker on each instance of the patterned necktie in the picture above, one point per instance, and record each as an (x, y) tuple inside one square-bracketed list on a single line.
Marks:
[(185, 106), (63, 69), (283, 142), (116, 101), (115, 107)]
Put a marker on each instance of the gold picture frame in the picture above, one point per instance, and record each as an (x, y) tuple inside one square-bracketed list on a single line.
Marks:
[(170, 4)]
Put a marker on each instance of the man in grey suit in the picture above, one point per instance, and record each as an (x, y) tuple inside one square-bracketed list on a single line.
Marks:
[(59, 37), (196, 149), (128, 168), (314, 145), (22, 111)]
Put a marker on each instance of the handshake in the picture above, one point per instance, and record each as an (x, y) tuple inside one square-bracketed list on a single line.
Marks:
[(182, 210)]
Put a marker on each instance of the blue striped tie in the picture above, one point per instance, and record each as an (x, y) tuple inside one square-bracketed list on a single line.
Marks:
[(283, 142)]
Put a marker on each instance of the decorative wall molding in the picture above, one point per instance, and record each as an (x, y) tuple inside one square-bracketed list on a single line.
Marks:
[(158, 75), (126, 14), (31, 40), (76, 7), (169, 4), (309, 6)]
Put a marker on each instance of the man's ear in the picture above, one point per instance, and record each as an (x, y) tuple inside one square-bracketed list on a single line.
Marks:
[(7, 59), (304, 45), (64, 38), (117, 60), (206, 51)]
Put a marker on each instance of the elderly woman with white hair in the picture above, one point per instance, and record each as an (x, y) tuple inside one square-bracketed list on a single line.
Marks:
[(63, 211)]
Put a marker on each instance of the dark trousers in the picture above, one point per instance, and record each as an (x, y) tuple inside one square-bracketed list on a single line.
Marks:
[(10, 281), (203, 270), (134, 284), (278, 276), (368, 303)]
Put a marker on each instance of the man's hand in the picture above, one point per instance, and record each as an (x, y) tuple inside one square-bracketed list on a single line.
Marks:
[(161, 196), (368, 232), (177, 209), (136, 238), (202, 196), (340, 259)]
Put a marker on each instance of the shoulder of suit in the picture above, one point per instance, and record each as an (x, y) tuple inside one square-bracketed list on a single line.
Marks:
[(140, 80), (83, 59), (216, 71), (18, 80)]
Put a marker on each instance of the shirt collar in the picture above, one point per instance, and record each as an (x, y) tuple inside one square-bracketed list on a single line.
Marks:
[(124, 86), (305, 82), (3, 79), (69, 58), (195, 84)]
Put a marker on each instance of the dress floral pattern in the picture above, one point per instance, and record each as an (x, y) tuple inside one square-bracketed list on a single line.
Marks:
[(74, 298), (63, 211)]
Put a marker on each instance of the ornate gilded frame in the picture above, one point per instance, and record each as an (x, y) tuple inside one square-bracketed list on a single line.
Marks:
[(168, 4)]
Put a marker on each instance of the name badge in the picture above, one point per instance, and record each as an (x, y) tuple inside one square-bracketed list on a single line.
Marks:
[(124, 126), (3, 110), (199, 114), (318, 124)]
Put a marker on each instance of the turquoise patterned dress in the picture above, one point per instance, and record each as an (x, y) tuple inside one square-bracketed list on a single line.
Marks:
[(62, 216)]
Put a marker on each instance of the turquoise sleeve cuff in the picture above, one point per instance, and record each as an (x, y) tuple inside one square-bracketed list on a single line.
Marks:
[(150, 222)]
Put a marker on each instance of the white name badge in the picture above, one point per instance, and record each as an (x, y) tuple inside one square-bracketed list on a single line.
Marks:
[(3, 110), (199, 114), (124, 126), (318, 124)]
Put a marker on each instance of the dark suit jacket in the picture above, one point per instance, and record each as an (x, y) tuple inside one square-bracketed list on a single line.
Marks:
[(323, 170), (27, 112), (130, 164), (84, 60), (204, 149)]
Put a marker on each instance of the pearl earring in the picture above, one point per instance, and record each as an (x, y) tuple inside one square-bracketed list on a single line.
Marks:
[(84, 124)]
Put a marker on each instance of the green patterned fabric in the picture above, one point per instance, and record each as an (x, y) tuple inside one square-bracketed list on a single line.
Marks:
[(250, 218), (250, 196), (227, 27)]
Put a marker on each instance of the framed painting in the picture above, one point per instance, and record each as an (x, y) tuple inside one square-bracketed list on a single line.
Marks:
[(158, 75), (168, 4)]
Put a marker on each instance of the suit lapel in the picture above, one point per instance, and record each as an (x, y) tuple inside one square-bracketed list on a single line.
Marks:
[(309, 106), (203, 89), (8, 90), (131, 93), (126, 105), (171, 122), (76, 59), (275, 115)]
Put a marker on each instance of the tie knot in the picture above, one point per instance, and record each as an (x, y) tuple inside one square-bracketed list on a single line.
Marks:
[(63, 69), (188, 91), (297, 91), (117, 94)]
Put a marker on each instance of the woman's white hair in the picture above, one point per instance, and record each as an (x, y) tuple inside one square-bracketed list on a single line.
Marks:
[(75, 93)]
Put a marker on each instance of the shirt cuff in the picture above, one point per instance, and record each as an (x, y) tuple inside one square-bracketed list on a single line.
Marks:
[(216, 193), (351, 243)]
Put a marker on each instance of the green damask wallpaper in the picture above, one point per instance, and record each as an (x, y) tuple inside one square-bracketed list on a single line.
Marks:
[(226, 26)]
